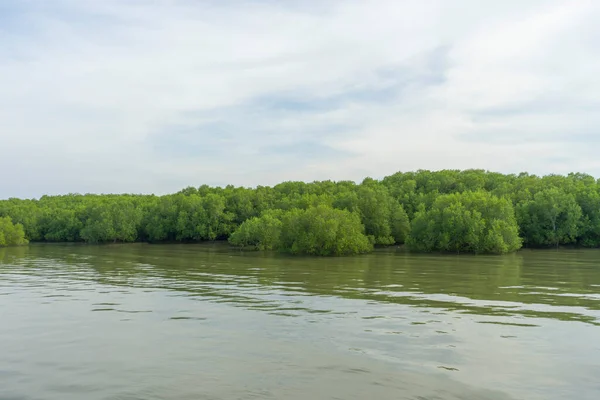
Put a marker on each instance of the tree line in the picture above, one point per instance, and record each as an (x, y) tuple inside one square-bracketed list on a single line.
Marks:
[(472, 211)]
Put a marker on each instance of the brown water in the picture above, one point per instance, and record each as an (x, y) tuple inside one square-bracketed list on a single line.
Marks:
[(205, 322)]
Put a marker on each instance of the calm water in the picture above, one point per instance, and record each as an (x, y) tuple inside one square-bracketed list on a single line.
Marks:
[(205, 322)]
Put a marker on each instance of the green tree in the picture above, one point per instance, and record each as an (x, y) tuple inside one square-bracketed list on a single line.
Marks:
[(551, 218), (469, 222), (160, 219), (375, 206), (240, 203), (216, 221), (11, 234), (114, 221), (260, 233), (323, 231), (588, 199), (400, 223), (62, 225)]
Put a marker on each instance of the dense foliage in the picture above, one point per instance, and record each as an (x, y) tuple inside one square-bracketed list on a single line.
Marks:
[(458, 211), (260, 233), (320, 230), (11, 234), (472, 222), (323, 230)]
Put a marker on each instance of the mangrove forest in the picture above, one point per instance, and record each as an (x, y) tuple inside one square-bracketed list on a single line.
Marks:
[(469, 211)]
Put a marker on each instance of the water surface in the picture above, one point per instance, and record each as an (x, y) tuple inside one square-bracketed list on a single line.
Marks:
[(207, 322)]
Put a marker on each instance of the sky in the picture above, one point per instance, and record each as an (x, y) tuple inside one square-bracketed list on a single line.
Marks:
[(137, 96)]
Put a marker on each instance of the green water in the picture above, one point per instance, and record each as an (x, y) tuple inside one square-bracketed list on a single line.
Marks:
[(206, 322)]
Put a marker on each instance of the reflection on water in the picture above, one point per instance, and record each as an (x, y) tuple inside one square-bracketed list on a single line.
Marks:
[(204, 321)]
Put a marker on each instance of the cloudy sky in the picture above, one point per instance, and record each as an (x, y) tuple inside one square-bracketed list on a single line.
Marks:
[(152, 96)]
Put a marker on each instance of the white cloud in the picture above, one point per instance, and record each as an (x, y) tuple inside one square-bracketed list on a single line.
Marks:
[(93, 91)]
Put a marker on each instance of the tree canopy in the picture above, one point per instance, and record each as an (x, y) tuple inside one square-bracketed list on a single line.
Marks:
[(11, 234), (322, 231), (467, 222), (450, 210)]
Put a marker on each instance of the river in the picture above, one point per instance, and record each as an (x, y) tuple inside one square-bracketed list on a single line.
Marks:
[(183, 322)]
